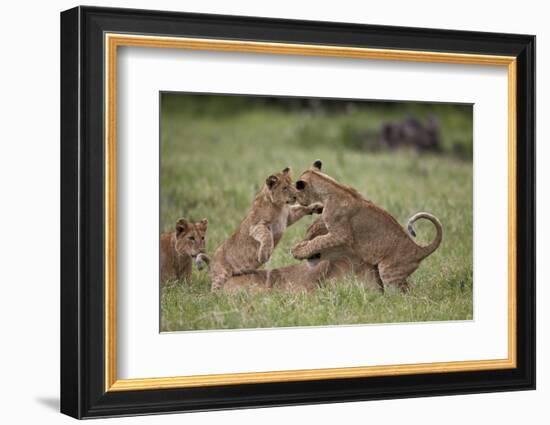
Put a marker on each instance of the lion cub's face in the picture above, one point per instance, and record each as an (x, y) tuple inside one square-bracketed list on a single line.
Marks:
[(305, 188), (190, 237), (281, 188)]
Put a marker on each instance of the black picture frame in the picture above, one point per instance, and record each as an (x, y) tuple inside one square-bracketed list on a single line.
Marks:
[(82, 212)]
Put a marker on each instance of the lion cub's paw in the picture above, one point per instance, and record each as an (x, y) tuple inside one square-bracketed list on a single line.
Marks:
[(316, 208), (264, 254), (300, 250), (216, 285), (202, 261)]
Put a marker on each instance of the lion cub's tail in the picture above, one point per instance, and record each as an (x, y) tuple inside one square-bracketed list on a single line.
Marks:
[(428, 249)]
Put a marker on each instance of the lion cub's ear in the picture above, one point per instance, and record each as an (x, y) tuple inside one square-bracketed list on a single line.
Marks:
[(203, 224), (271, 181), (287, 170), (317, 164), (182, 225)]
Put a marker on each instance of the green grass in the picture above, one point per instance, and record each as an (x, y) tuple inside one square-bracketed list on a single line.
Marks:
[(212, 167)]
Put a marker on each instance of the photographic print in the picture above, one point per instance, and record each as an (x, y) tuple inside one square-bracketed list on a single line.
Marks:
[(290, 211)]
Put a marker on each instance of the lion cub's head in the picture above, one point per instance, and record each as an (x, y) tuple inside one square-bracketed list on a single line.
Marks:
[(190, 237), (281, 188), (305, 187)]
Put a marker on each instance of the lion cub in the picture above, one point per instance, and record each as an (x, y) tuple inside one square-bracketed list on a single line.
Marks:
[(305, 276), (252, 243), (357, 225), (179, 248)]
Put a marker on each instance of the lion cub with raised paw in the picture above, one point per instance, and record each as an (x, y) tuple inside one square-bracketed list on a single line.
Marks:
[(252, 244), (180, 248), (356, 225)]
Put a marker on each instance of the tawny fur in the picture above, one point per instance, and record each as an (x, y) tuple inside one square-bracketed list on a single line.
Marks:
[(252, 244), (179, 248), (305, 276), (356, 225)]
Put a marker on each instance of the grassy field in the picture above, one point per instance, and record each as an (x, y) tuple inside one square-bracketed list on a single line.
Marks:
[(212, 165)]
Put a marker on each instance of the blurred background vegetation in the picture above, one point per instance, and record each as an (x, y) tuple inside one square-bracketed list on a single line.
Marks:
[(361, 125), (217, 150)]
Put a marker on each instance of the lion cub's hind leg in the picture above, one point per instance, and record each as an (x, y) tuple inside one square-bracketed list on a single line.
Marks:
[(371, 278), (396, 274), (219, 275)]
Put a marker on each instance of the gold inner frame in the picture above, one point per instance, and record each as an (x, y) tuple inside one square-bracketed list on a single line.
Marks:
[(113, 41)]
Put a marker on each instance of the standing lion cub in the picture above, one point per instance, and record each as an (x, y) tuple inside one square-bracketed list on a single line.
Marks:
[(356, 225), (179, 248), (261, 230)]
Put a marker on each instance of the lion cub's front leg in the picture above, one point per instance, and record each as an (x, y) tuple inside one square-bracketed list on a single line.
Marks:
[(263, 235), (298, 211), (305, 249)]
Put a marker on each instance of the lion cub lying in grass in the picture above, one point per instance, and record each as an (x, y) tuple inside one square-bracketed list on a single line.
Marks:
[(180, 247), (305, 276), (357, 225), (253, 242)]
